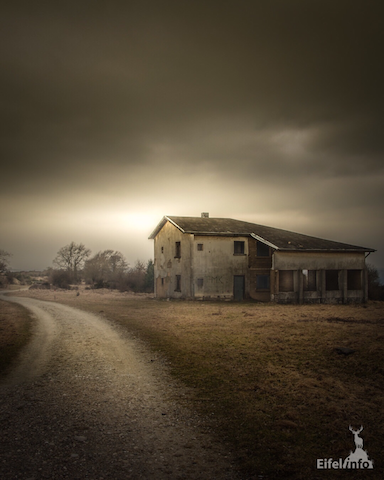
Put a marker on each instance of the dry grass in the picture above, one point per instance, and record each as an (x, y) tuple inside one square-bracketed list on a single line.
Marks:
[(15, 331), (268, 376)]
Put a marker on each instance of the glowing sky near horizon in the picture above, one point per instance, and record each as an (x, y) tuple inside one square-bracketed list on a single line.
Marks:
[(117, 113)]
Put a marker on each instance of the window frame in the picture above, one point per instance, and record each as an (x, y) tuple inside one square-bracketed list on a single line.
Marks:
[(263, 276), (236, 250), (178, 283)]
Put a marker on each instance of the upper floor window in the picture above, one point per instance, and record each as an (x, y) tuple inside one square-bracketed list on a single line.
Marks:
[(177, 250), (200, 247), (238, 248), (262, 250)]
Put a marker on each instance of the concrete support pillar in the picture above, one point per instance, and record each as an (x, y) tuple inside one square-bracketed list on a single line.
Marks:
[(322, 286), (272, 284), (365, 284), (276, 289), (301, 286), (344, 285)]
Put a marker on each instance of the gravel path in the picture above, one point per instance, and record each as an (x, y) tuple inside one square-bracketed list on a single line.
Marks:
[(86, 401)]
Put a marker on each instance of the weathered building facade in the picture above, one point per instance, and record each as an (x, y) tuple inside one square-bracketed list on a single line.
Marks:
[(221, 258)]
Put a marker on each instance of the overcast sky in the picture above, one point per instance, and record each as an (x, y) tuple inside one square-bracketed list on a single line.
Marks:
[(115, 113)]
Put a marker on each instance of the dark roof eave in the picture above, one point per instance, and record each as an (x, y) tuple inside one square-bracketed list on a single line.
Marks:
[(217, 234), (336, 250)]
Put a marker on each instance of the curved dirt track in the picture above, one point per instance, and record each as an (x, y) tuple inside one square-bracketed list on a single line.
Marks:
[(86, 401)]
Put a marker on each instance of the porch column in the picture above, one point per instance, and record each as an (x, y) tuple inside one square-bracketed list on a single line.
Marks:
[(301, 286), (276, 289), (272, 284), (365, 284), (322, 286), (344, 285)]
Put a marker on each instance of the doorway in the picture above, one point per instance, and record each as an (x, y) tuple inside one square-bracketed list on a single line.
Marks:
[(238, 287)]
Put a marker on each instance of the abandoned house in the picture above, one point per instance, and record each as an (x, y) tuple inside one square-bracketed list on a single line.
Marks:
[(220, 258)]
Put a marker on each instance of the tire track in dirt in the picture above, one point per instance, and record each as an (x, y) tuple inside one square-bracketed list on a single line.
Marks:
[(87, 401)]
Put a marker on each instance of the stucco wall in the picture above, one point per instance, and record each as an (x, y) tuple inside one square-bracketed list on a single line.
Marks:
[(216, 264), (167, 266)]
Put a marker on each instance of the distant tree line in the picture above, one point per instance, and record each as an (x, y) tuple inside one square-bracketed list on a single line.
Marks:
[(106, 269), (109, 269), (375, 288)]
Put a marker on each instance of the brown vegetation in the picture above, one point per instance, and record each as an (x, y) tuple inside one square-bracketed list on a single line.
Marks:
[(15, 330), (269, 377)]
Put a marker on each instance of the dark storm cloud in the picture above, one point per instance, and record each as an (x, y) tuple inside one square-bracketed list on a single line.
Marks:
[(86, 84), (116, 101)]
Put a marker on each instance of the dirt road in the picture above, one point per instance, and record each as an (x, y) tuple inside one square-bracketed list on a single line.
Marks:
[(88, 401)]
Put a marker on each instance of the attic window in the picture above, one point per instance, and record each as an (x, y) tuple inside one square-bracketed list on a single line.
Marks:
[(238, 248), (262, 249)]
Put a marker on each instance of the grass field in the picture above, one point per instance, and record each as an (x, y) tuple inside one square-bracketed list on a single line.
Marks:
[(267, 376)]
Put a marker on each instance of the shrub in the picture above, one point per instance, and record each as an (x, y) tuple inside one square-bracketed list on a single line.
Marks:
[(60, 278)]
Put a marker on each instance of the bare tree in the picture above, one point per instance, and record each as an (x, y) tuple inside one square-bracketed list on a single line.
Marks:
[(375, 288), (72, 258), (4, 261), (105, 268)]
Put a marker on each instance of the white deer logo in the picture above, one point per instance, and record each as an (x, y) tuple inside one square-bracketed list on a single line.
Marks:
[(358, 440)]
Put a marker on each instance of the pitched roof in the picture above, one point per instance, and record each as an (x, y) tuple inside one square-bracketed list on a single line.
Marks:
[(274, 237)]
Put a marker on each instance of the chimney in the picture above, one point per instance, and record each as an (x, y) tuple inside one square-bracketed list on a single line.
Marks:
[(205, 215)]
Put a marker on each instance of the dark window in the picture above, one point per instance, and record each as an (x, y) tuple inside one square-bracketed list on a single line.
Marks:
[(178, 250), (200, 247), (286, 280), (262, 282), (238, 248), (354, 279), (309, 279), (162, 249), (178, 283), (262, 250), (200, 282), (332, 280), (162, 281)]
